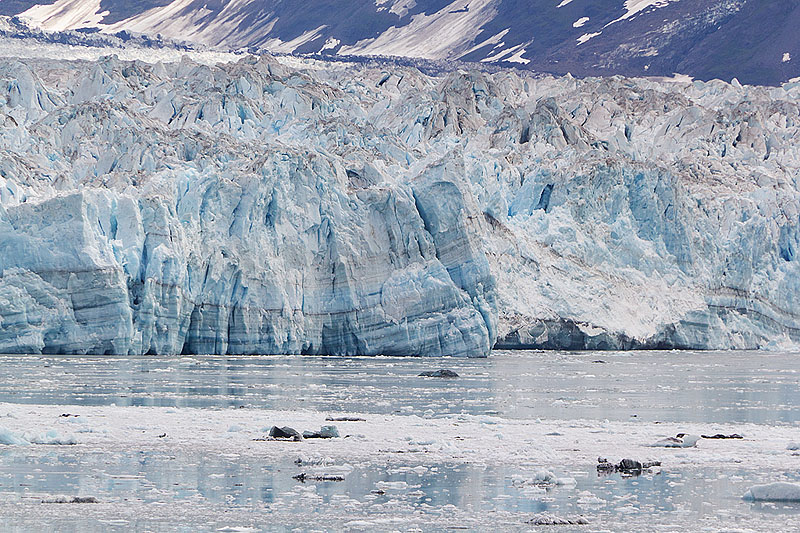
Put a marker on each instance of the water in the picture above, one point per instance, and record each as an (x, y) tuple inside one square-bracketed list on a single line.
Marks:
[(144, 489), (654, 386), (212, 486)]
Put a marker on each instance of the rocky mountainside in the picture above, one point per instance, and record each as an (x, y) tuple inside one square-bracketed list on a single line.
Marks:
[(753, 40), (299, 206)]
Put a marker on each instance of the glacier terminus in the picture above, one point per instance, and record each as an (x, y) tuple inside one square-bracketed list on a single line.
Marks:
[(286, 205)]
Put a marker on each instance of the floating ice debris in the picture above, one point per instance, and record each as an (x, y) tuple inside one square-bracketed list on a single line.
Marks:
[(391, 485), (682, 440), (546, 519), (793, 446), (774, 492), (541, 478), (11, 439), (51, 437), (325, 432), (68, 499)]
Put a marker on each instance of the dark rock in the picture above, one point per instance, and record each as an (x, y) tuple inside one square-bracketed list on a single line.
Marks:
[(599, 361), (721, 436), (626, 466), (302, 478), (285, 433), (345, 419), (629, 464), (441, 373)]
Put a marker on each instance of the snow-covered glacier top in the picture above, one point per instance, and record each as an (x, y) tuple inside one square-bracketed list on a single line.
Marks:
[(256, 207)]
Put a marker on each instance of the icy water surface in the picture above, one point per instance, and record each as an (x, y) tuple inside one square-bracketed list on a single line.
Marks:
[(653, 386), (153, 490), (454, 494)]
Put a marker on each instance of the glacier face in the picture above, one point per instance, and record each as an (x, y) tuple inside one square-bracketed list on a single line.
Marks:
[(181, 209), (309, 207)]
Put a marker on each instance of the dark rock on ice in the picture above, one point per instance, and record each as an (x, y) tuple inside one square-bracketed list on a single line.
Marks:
[(285, 433), (302, 478), (626, 466), (441, 373)]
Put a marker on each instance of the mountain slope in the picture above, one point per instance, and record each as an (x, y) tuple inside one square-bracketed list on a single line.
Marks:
[(753, 40)]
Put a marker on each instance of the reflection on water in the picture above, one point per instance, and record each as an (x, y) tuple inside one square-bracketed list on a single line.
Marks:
[(654, 386), (144, 490), (151, 477)]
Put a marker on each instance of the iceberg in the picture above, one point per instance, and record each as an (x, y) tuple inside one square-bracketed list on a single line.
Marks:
[(774, 492), (319, 208)]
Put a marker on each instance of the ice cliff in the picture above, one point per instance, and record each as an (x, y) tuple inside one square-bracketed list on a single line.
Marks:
[(306, 207)]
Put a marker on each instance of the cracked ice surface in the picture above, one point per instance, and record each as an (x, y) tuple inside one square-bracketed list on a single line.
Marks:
[(254, 207)]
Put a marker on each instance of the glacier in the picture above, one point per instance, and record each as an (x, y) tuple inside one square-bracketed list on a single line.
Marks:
[(289, 205)]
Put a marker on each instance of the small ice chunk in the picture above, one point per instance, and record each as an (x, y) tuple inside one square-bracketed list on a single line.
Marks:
[(325, 432), (11, 439), (545, 519), (51, 437), (793, 446), (774, 492), (681, 441), (391, 485), (542, 477)]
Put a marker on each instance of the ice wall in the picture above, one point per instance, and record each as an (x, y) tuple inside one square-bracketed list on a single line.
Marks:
[(257, 208)]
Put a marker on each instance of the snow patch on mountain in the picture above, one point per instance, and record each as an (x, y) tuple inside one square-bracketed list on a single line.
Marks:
[(440, 35), (66, 14), (587, 36), (399, 7), (222, 27), (634, 7), (580, 22)]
